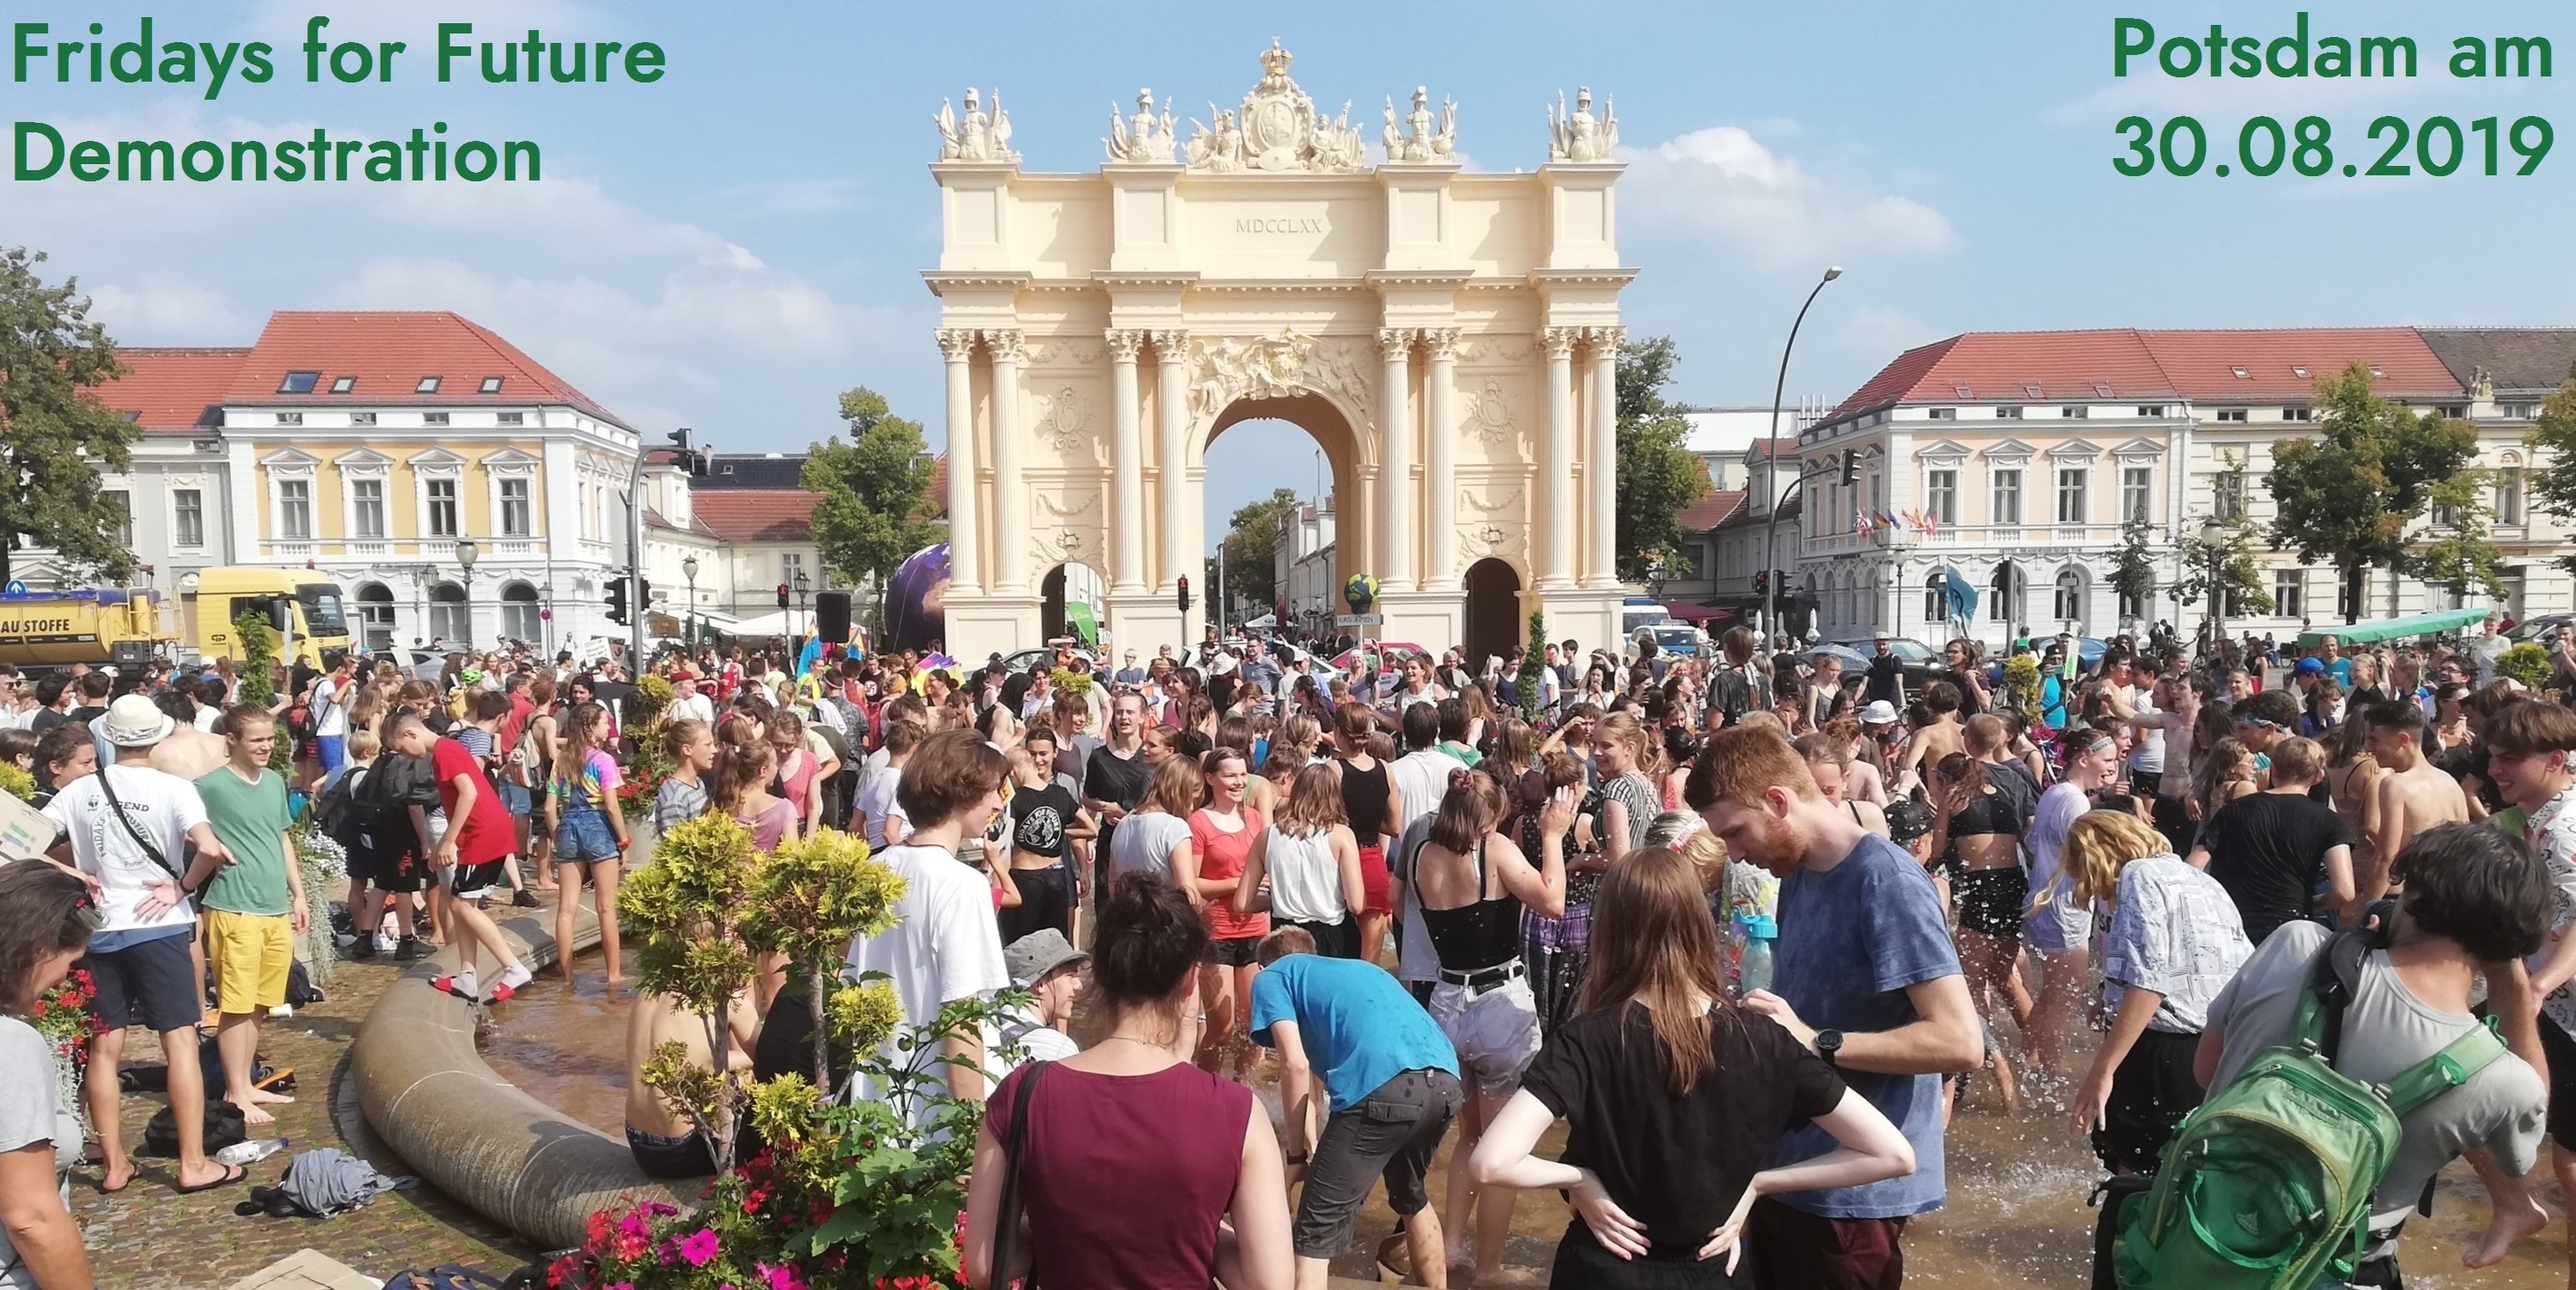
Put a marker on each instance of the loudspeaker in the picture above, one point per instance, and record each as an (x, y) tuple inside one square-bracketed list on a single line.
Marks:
[(832, 616)]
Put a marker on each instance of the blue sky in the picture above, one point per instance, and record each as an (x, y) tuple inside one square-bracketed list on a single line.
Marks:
[(730, 248)]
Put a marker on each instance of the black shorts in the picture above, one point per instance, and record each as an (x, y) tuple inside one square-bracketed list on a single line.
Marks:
[(2151, 1092), (1332, 940), (1046, 900), (1990, 901), (149, 983), (472, 880), (1391, 1133), (2560, 1048), (1237, 951)]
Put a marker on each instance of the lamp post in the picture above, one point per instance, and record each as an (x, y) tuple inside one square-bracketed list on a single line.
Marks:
[(2212, 533), (1771, 530), (689, 628), (466, 554), (808, 619)]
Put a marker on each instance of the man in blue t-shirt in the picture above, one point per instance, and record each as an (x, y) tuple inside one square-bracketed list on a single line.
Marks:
[(1868, 981), (1392, 1080)]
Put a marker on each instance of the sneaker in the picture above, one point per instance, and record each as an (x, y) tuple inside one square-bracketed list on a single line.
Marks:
[(525, 899), (410, 949)]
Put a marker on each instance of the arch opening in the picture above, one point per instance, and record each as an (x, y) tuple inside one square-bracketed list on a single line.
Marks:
[(376, 615), (1297, 463), (1073, 601), (1493, 611), (522, 619)]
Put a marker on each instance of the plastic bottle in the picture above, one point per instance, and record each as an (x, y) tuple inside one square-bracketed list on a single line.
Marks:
[(252, 1150), (1755, 974)]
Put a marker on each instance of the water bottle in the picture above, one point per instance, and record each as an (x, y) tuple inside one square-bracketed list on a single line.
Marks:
[(1756, 971), (252, 1150)]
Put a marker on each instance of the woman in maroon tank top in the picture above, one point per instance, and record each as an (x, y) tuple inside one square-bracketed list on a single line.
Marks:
[(1130, 1117)]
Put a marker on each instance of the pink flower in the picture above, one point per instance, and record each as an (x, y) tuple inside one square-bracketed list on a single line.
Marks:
[(699, 1246), (782, 1278)]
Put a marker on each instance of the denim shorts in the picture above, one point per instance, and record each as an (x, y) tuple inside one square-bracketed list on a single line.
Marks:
[(582, 835)]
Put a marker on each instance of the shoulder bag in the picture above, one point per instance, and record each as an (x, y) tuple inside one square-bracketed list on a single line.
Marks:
[(1006, 1211)]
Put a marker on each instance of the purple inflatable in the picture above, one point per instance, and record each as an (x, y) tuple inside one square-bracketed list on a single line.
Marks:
[(917, 600)]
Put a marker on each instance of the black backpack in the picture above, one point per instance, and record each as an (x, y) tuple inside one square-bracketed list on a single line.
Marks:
[(336, 814)]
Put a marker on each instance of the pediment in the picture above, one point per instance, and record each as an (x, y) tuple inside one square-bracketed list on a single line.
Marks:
[(2140, 447), (1943, 450), (438, 459), (290, 459), (2011, 449), (2076, 448), (362, 459), (509, 460)]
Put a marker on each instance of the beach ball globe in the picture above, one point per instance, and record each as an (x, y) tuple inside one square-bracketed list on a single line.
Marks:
[(1360, 592)]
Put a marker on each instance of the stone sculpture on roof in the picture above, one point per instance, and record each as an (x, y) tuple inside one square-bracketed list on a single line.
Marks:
[(1577, 135), (1277, 129), (974, 136), (1146, 139), (1420, 140)]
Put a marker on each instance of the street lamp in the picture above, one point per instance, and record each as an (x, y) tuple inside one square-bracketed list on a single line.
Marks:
[(2212, 533), (808, 618), (466, 554), (1771, 531), (689, 633)]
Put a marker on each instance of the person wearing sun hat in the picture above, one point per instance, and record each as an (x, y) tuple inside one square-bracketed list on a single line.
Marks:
[(142, 958), (1046, 965)]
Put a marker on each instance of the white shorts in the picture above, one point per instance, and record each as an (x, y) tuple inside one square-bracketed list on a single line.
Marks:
[(1495, 1032), (2054, 923)]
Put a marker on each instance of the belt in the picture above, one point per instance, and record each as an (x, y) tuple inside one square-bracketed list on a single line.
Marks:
[(1484, 978)]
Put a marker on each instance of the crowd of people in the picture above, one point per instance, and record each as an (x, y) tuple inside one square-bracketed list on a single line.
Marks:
[(1751, 924)]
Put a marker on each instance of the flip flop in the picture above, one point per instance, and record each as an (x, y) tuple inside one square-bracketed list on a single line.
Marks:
[(232, 1174)]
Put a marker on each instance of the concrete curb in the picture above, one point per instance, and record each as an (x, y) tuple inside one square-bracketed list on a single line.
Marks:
[(429, 1095)]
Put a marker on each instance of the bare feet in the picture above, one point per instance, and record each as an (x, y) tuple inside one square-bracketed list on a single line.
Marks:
[(208, 1173), (1516, 1277), (2515, 1218), (616, 983), (115, 1174), (251, 1114), (266, 1098)]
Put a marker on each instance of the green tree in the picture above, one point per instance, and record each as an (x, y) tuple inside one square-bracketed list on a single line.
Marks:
[(2133, 574), (2347, 496), (2229, 564), (1658, 476), (1250, 539), (2553, 436), (55, 434), (2456, 550), (1533, 659), (875, 491)]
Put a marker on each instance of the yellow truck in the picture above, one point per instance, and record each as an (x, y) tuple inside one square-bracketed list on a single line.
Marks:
[(57, 628), (306, 602)]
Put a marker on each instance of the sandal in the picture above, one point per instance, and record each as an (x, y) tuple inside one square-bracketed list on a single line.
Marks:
[(232, 1174)]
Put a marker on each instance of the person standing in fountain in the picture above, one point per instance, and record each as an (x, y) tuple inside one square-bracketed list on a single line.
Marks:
[(254, 903), (668, 1142)]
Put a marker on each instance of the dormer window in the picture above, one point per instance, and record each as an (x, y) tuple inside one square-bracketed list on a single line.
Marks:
[(428, 385), (491, 385), (2240, 373), (343, 384), (2375, 373), (2299, 372), (298, 382)]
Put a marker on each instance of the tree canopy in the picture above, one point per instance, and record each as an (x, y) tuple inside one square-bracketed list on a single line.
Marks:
[(55, 435), (1657, 475), (875, 490), (1250, 538), (2347, 496), (2553, 481)]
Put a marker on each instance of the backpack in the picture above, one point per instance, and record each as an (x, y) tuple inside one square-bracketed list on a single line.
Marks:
[(336, 814), (1732, 693), (2268, 1184)]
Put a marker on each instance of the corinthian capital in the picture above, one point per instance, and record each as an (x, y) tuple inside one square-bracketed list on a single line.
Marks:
[(957, 344), (1123, 343), (1006, 344), (1171, 344), (1559, 341), (1395, 342), (1606, 339), (1441, 341)]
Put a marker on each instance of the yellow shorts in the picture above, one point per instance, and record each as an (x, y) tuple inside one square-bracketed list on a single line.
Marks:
[(251, 954)]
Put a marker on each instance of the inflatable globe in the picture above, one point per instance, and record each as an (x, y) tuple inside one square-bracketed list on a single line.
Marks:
[(1360, 592), (917, 600)]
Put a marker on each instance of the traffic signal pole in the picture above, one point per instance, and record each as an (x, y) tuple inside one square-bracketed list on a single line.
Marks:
[(636, 608)]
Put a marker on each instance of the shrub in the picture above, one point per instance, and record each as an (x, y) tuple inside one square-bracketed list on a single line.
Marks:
[(2528, 663)]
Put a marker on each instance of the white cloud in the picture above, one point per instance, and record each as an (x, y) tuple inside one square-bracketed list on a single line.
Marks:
[(1878, 329), (164, 309), (1723, 181)]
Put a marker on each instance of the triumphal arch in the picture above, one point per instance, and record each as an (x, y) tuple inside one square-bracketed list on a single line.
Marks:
[(1449, 337)]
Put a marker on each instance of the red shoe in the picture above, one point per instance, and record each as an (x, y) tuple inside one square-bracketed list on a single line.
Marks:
[(504, 991), (448, 985)]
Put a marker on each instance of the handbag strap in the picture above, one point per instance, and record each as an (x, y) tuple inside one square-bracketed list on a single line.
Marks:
[(1006, 1213), (107, 785)]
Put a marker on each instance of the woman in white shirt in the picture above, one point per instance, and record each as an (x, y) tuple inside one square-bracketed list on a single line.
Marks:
[(1160, 825), (1312, 862)]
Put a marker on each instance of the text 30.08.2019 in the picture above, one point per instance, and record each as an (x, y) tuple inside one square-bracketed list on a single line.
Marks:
[(2437, 145)]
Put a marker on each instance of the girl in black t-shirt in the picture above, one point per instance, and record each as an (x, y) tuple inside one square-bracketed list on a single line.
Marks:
[(1676, 1099)]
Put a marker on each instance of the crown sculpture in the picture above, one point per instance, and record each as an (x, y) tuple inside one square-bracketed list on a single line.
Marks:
[(1277, 129)]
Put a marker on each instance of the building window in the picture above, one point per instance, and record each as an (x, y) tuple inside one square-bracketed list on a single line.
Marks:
[(2071, 506), (433, 418), (362, 418), (1941, 495), (514, 511), (2515, 411), (290, 418), (2290, 593), (2344, 606), (295, 510), (511, 418), (2508, 495), (2227, 495), (790, 564), (428, 385), (2068, 603), (2137, 492), (442, 508), (2455, 411), (298, 382), (2516, 579), (2151, 410), (519, 620), (188, 508), (1945, 414), (122, 503), (2231, 414), (1935, 603), (2008, 414), (2000, 597), (491, 385), (376, 615), (2299, 413), (451, 620), (2075, 412), (2008, 496), (343, 384), (367, 508)]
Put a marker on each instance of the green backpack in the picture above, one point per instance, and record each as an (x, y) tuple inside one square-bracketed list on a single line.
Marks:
[(2267, 1186)]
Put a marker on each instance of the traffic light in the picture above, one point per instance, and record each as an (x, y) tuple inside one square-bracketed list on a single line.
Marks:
[(1185, 595), (1851, 466), (617, 600), (643, 594), (1761, 582), (782, 595)]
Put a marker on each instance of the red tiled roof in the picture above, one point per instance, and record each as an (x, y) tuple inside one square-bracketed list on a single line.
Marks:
[(2202, 363), (389, 351), (1713, 508), (2124, 363), (698, 526), (756, 514), (937, 493), (174, 390)]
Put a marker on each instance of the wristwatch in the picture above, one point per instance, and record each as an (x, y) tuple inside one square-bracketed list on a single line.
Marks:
[(1829, 1045)]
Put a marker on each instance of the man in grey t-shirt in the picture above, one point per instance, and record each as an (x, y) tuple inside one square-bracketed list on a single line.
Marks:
[(2473, 895)]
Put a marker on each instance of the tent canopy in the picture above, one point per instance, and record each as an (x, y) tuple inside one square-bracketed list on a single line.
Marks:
[(1691, 613), (2389, 629), (773, 623)]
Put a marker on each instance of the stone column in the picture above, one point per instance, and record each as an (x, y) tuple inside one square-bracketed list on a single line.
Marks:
[(1126, 467), (1010, 487), (1395, 461), (957, 346), (1601, 562), (1557, 573), (1171, 453), (1440, 471)]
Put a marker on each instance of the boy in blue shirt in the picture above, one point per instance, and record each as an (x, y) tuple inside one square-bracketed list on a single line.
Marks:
[(1392, 1081)]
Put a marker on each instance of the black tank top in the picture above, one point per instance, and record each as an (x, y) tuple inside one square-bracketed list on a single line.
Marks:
[(1364, 800), (1479, 935)]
